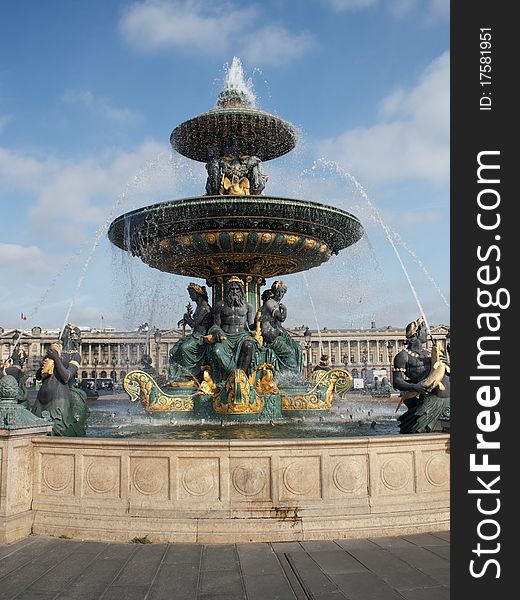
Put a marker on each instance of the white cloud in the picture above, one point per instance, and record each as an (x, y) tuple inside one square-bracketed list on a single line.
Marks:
[(155, 25), (411, 140), (68, 198), (274, 45), (100, 106), (27, 259), (431, 10), (23, 171)]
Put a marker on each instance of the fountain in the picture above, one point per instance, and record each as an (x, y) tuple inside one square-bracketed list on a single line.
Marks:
[(235, 237), (237, 367)]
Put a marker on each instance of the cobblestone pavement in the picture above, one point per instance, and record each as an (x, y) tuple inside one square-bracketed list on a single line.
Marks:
[(411, 567)]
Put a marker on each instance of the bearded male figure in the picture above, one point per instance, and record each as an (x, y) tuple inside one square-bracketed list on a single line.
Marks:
[(232, 345)]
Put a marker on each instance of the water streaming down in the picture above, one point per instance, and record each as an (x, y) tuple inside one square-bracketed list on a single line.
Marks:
[(390, 236)]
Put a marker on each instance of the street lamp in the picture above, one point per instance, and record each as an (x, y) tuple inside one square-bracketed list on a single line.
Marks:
[(157, 338), (389, 347), (364, 360), (114, 374), (307, 335)]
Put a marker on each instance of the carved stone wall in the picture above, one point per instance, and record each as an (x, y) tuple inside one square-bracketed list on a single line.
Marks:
[(240, 490)]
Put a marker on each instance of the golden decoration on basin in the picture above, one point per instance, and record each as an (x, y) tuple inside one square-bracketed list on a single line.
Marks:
[(210, 238), (291, 239), (140, 385)]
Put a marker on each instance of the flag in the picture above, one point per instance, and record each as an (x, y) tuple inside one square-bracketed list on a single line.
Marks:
[(23, 316)]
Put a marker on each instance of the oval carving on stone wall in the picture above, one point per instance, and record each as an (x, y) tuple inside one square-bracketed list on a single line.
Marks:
[(348, 476), (146, 480), (395, 473), (437, 470), (197, 481), (54, 474), (101, 477), (297, 479), (249, 480)]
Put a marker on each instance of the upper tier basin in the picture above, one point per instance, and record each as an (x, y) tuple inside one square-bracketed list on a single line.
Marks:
[(213, 236), (237, 130)]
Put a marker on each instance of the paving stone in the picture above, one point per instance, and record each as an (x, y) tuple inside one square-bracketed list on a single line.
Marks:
[(25, 555), (315, 583), (319, 546), (178, 583), (420, 558), (268, 587), (436, 593), (68, 570), (441, 575), (365, 586), (220, 582), (17, 582), (284, 547), (142, 567), (444, 535), (358, 544), (219, 557), (99, 574), (220, 596), (258, 559), (442, 551), (125, 592), (33, 595), (425, 539), (182, 554), (391, 542), (7, 549), (337, 561)]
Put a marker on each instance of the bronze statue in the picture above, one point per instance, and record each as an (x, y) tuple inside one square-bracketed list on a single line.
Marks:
[(58, 400), (188, 355), (423, 378), (231, 340), (233, 175), (14, 366), (283, 352)]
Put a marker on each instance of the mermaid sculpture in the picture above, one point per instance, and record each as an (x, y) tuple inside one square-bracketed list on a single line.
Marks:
[(282, 351), (423, 379), (58, 400), (188, 355)]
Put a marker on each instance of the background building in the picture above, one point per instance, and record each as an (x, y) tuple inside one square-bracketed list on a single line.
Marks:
[(107, 353)]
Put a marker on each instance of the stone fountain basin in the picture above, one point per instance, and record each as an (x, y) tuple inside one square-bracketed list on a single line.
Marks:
[(209, 236), (232, 490)]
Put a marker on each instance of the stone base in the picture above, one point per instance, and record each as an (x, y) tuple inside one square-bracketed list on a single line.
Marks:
[(16, 527), (240, 490), (282, 527)]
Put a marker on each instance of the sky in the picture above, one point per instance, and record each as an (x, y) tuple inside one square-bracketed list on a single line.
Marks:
[(90, 92)]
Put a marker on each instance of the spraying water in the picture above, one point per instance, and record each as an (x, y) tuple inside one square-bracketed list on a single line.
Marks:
[(235, 80), (384, 226), (97, 240), (304, 275)]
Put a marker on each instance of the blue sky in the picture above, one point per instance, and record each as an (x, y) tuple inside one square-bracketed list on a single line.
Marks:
[(90, 91)]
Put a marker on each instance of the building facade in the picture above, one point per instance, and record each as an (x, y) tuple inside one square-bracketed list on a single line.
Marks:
[(107, 353)]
